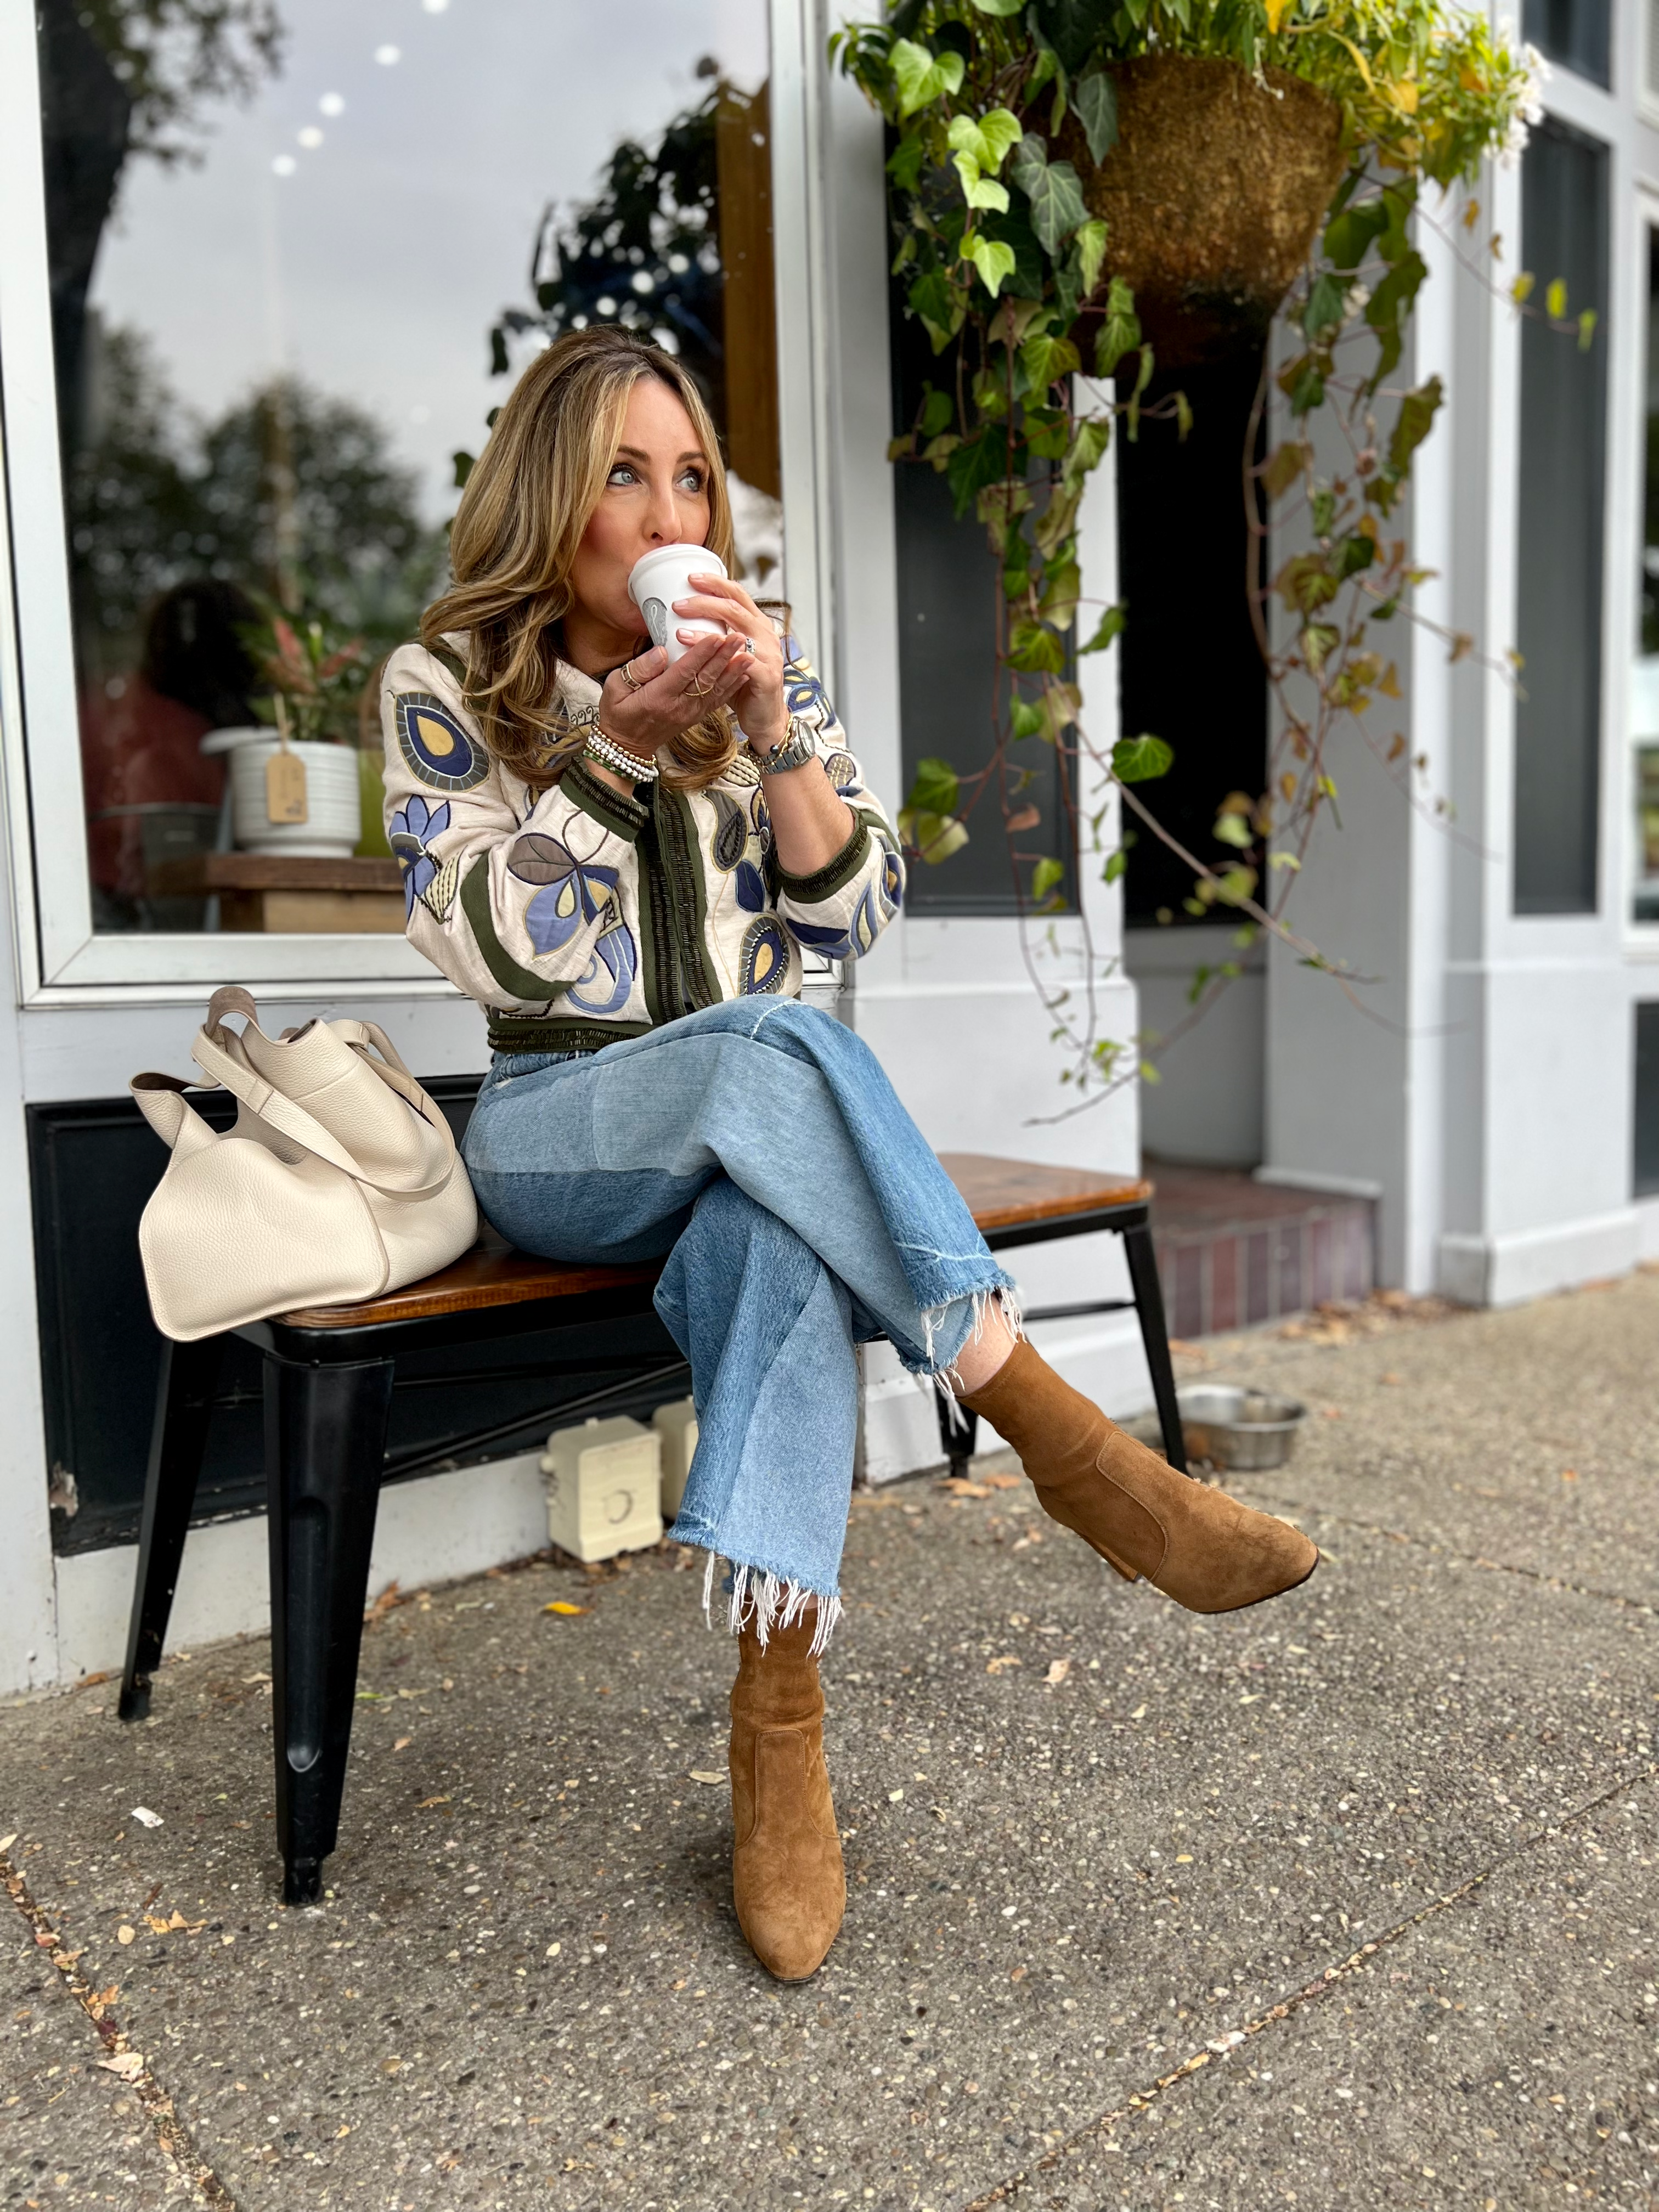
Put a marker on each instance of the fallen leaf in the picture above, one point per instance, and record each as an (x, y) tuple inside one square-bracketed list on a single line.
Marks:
[(1001, 1666), (125, 1934), (47, 1942), (402, 1743), (896, 1796), (426, 1803), (959, 1486), (387, 1601), (1002, 1481), (1252, 1696), (553, 1949), (87, 1681), (1331, 1413), (707, 1774), (1058, 1670), (1139, 1714), (563, 1605), (6, 1842), (1230, 2041), (129, 2064), (1391, 1377), (1019, 1974), (1569, 1474), (145, 1818), (1183, 1858)]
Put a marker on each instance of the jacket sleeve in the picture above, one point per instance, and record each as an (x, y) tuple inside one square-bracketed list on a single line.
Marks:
[(841, 909), (521, 904)]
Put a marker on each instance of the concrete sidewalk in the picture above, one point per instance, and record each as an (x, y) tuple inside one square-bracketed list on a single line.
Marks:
[(1348, 1900)]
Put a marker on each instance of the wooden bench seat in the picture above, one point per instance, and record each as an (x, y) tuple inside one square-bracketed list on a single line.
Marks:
[(329, 1376)]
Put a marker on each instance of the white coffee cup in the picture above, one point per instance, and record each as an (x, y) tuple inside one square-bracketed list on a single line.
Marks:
[(662, 576)]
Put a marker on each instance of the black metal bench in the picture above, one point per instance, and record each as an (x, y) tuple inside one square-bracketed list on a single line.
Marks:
[(329, 1376)]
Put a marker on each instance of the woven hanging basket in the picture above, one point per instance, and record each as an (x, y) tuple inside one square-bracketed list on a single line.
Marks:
[(1212, 196)]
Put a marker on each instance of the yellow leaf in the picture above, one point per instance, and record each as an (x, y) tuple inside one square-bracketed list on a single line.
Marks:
[(402, 1743), (563, 1605), (1556, 300), (1388, 683), (1277, 11), (1405, 95)]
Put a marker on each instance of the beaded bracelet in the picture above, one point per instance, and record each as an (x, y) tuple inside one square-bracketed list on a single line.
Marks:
[(608, 754)]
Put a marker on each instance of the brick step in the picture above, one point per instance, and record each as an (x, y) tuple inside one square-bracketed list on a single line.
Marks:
[(1233, 1253)]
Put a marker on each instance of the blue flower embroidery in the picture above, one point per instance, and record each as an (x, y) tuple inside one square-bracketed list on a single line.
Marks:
[(802, 691), (412, 828), (860, 933), (764, 963), (574, 893)]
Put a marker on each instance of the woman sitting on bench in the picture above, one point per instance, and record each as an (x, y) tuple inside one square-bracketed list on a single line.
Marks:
[(621, 860)]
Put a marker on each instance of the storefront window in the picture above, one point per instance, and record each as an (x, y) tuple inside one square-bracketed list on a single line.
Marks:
[(297, 253)]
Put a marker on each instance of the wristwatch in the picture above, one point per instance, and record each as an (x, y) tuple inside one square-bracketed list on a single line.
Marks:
[(799, 745)]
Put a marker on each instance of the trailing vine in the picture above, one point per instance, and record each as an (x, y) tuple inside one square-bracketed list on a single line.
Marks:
[(1001, 113)]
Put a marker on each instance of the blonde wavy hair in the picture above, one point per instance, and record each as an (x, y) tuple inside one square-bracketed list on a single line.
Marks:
[(527, 501)]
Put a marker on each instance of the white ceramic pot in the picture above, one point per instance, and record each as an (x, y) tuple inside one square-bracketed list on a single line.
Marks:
[(334, 819)]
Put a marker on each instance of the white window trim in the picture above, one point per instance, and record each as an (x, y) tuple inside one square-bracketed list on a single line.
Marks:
[(60, 960)]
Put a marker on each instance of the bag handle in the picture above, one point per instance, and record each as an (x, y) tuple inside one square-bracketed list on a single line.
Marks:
[(286, 1115)]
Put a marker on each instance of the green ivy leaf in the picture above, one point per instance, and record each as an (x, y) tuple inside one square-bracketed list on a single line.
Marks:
[(1096, 101), (981, 192), (1138, 760), (1057, 520), (1284, 467), (1025, 720), (993, 260), (1233, 829), (1061, 585), (1030, 160), (1046, 359), (1321, 318), (1110, 623), (1034, 649), (935, 788), (988, 138), (1048, 872), (938, 409), (1349, 236), (1090, 244), (1120, 330), (1088, 448), (1413, 424), (935, 837), (921, 77), (931, 299), (979, 462), (1057, 206), (999, 7), (904, 162), (1116, 864)]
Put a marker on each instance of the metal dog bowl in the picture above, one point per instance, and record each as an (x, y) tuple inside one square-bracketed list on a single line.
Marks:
[(1243, 1432)]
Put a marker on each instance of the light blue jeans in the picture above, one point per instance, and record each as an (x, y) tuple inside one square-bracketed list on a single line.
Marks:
[(759, 1149)]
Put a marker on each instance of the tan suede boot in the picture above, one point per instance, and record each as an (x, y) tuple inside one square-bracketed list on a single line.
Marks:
[(1197, 1545), (787, 1878)]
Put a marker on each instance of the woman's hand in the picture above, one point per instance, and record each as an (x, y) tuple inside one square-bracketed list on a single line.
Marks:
[(758, 702), (662, 702)]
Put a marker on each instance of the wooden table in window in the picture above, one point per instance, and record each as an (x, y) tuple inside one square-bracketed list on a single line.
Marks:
[(270, 892)]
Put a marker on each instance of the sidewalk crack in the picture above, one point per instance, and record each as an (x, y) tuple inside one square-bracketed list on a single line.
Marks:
[(1223, 2045), (173, 2139)]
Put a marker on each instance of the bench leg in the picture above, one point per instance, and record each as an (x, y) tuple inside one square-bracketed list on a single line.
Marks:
[(325, 1447), (959, 1430), (184, 1402), (1149, 1308)]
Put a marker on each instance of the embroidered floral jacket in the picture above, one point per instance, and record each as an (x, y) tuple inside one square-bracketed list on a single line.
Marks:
[(578, 915)]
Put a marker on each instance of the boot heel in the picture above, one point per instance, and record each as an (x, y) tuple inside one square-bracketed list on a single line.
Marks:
[(1129, 1574)]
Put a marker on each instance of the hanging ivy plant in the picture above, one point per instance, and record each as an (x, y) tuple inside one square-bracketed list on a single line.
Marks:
[(1082, 187)]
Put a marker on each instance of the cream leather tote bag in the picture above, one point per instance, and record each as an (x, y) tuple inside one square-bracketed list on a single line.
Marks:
[(340, 1179)]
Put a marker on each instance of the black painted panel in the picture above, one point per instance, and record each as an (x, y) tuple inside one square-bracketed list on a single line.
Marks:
[(94, 1164)]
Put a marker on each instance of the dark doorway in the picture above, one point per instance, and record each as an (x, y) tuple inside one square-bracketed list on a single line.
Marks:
[(1191, 671)]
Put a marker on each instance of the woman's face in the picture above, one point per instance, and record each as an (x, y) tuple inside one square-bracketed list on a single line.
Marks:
[(657, 494)]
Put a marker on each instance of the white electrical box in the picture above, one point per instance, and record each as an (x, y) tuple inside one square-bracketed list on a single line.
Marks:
[(677, 1425), (603, 1488)]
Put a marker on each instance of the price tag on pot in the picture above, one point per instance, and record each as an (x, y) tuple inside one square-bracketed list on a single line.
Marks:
[(285, 788)]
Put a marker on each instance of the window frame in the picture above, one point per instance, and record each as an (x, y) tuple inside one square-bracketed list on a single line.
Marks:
[(60, 959)]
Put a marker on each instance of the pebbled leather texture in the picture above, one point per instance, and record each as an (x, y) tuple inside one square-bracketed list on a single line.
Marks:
[(340, 1180)]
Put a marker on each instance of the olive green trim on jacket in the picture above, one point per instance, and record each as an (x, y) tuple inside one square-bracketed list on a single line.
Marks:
[(674, 971), (557, 1033), (517, 982), (825, 882), (625, 817)]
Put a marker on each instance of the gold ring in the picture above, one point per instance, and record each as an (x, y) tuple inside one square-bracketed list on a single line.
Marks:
[(629, 677), (700, 688)]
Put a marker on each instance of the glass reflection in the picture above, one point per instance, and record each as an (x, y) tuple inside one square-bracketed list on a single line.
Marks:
[(293, 265)]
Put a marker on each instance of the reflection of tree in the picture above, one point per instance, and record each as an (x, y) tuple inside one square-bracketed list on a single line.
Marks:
[(291, 493), (120, 77), (643, 252), (171, 57)]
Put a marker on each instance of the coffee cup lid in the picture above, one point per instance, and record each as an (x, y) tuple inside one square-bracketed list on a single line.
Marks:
[(682, 555)]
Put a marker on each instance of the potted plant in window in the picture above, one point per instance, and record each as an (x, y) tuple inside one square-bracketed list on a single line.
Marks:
[(297, 783)]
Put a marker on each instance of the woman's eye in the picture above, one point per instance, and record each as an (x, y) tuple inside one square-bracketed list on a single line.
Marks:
[(621, 474), (692, 481)]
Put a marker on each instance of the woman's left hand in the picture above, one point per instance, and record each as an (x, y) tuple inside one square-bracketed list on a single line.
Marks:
[(758, 705)]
